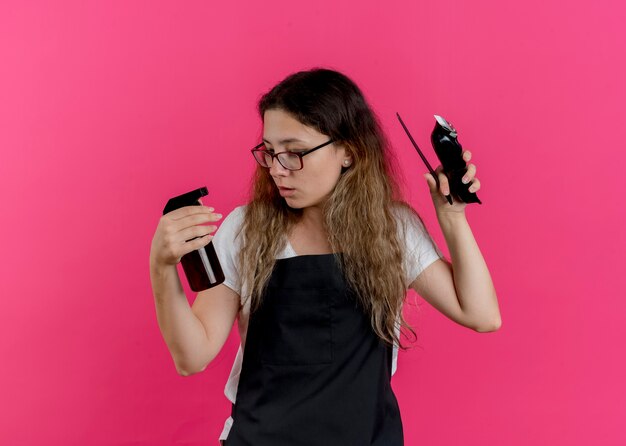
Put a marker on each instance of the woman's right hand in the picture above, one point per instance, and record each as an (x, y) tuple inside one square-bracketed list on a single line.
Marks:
[(175, 231)]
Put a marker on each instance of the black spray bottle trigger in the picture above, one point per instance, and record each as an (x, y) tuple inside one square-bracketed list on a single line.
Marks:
[(188, 199)]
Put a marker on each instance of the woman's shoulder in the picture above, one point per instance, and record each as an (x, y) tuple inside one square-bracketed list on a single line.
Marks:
[(230, 226), (405, 214), (235, 217), (238, 211), (409, 222)]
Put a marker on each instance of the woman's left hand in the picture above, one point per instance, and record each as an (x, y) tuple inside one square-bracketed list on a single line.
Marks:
[(439, 196)]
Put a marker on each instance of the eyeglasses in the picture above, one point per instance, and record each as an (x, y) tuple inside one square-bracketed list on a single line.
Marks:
[(289, 160)]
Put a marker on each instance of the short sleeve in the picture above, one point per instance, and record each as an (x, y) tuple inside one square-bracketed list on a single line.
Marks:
[(227, 243), (420, 250)]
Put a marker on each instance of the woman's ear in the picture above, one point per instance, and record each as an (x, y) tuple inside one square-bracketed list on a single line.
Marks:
[(346, 156)]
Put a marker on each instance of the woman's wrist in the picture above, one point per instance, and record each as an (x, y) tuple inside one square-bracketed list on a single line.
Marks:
[(451, 218)]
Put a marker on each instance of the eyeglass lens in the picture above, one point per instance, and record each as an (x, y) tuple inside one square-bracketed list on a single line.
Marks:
[(287, 160)]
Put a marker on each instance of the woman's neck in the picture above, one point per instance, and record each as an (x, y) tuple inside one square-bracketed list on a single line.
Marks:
[(312, 217), (308, 235)]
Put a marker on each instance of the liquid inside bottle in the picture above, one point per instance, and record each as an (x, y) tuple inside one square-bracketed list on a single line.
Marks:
[(202, 268)]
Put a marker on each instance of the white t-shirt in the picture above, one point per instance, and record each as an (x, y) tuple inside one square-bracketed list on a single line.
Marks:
[(420, 252)]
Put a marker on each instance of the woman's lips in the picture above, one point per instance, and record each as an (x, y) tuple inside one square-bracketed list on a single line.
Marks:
[(286, 191)]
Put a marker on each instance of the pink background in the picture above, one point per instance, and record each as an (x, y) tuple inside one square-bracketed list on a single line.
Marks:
[(109, 108)]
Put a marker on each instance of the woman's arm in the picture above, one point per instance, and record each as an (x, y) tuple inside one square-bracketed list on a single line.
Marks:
[(463, 291), (194, 335)]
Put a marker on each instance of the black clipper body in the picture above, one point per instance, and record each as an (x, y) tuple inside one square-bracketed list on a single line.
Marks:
[(450, 153)]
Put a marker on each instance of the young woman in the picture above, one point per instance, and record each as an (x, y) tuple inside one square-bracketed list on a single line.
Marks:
[(317, 266)]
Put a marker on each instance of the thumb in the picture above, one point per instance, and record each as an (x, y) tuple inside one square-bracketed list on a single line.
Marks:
[(430, 180)]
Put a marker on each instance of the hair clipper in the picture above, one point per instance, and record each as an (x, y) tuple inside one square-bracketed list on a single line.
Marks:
[(450, 153)]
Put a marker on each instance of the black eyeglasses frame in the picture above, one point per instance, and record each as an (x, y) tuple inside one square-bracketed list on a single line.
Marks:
[(276, 155)]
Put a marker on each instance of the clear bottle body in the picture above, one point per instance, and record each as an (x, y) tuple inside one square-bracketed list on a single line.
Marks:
[(202, 268)]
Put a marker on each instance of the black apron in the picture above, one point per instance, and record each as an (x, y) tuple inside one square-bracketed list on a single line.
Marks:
[(314, 373)]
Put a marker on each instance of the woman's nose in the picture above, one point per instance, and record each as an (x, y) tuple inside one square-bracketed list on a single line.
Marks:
[(278, 169)]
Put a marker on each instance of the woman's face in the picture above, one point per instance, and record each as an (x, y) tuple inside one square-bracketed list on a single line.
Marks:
[(321, 169)]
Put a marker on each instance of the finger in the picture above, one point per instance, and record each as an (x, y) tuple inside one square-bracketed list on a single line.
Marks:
[(432, 184), (444, 187), (186, 211), (201, 241), (192, 220), (467, 155), (195, 244), (197, 219), (475, 185), (471, 173), (189, 234)]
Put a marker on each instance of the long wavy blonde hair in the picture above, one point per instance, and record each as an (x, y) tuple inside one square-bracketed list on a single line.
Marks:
[(361, 213)]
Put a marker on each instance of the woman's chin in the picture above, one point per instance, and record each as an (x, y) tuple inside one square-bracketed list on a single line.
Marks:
[(293, 204)]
